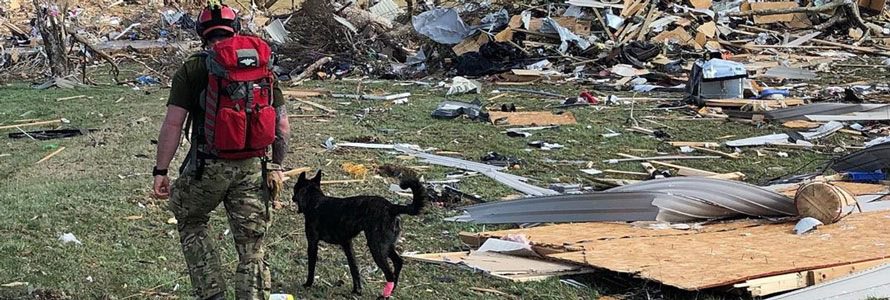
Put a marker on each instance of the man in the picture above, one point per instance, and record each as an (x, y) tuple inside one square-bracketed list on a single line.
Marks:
[(229, 93)]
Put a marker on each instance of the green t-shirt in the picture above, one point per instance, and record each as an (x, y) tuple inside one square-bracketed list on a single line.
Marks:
[(191, 79)]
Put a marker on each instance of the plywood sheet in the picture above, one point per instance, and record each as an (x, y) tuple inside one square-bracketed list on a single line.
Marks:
[(706, 260), (540, 118)]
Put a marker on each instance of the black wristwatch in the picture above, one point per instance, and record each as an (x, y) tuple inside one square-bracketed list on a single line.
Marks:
[(156, 172)]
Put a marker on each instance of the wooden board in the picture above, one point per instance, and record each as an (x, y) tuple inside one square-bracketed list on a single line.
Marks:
[(801, 124), (301, 93), (714, 259), (508, 267), (539, 118), (743, 102), (769, 19), (780, 283)]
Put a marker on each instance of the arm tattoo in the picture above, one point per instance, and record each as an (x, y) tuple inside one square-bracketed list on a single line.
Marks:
[(279, 147)]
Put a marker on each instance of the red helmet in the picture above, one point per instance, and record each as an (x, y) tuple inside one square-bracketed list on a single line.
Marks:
[(217, 17)]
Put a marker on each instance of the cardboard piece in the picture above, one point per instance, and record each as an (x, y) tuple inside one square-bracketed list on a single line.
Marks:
[(870, 7), (678, 35), (579, 27), (709, 29), (770, 19), (538, 118), (471, 44), (700, 4)]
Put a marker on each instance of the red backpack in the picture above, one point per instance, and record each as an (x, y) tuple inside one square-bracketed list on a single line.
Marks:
[(239, 120)]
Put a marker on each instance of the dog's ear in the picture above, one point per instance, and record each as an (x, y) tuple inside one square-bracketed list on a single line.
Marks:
[(317, 178), (302, 177)]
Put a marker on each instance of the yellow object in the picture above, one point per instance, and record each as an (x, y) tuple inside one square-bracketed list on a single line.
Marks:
[(214, 3), (281, 297), (357, 171)]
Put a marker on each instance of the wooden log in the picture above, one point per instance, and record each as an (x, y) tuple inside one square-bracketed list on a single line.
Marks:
[(823, 201)]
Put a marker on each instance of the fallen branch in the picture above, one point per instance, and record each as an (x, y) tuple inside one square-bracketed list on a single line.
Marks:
[(115, 70), (311, 68)]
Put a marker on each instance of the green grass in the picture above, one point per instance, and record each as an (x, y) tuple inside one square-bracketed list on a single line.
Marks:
[(100, 179)]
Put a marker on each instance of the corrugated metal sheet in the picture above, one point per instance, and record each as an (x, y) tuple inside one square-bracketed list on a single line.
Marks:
[(822, 108), (781, 138), (678, 199), (592, 207), (865, 160), (713, 198)]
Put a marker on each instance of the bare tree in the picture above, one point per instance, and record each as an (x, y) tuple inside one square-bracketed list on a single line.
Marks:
[(50, 21)]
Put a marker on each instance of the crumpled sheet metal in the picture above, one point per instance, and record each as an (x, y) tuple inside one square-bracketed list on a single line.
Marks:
[(442, 25), (677, 199), (782, 139), (713, 198), (593, 207), (565, 35)]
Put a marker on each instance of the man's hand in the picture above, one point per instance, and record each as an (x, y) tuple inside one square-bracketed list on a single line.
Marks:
[(275, 182), (161, 187)]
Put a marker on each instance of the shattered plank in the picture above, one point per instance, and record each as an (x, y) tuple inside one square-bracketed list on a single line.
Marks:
[(316, 105), (682, 171), (717, 152)]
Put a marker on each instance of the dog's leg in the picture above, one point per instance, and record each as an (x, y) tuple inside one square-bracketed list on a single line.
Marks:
[(313, 258), (353, 268), (379, 253), (397, 262)]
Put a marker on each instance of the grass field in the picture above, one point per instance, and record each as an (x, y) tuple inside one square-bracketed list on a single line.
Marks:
[(98, 189)]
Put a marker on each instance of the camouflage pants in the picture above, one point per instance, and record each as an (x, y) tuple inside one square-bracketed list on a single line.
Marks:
[(237, 185)]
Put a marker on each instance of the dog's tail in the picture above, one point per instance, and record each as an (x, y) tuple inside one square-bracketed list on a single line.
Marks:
[(419, 197)]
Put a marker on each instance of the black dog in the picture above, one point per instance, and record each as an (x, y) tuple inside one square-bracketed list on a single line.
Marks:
[(339, 220)]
